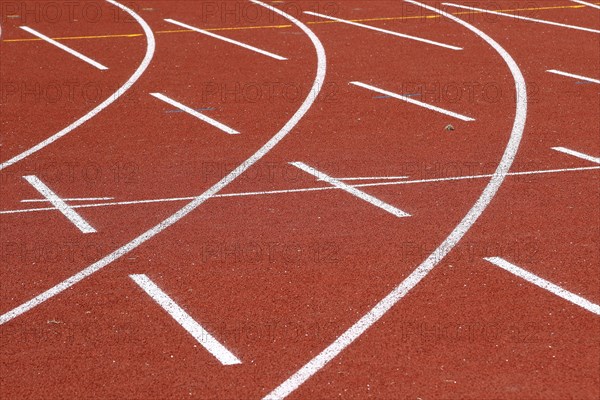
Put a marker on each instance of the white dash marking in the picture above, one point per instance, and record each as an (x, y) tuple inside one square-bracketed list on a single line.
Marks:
[(192, 327), (352, 190), (544, 284), (84, 199), (196, 114), (577, 154), (413, 101), (583, 78), (585, 3), (223, 38), (540, 21), (60, 205), (65, 48), (416, 38)]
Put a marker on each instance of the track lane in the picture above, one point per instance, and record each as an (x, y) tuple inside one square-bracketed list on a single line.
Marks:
[(125, 87)]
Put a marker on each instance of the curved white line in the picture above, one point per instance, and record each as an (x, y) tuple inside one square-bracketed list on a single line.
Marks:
[(151, 44), (120, 252), (370, 318)]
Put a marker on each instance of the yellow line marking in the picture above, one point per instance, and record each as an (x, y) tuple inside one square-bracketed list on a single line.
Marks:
[(239, 28)]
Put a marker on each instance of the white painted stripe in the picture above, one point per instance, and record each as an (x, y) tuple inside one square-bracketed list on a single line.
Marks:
[(544, 284), (585, 3), (413, 101), (60, 205), (490, 191), (190, 325), (583, 78), (151, 44), (71, 199), (197, 201), (196, 114), (372, 178), (352, 190), (416, 38), (65, 48), (306, 190), (540, 21), (223, 38), (577, 154)]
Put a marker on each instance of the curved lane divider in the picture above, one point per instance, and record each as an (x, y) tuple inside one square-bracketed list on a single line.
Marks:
[(381, 308)]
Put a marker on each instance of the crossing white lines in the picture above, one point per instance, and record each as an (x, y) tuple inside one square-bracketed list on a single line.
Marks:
[(91, 269), (312, 189), (59, 204), (352, 190)]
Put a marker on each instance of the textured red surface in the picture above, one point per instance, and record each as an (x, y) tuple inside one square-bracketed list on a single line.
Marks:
[(277, 277)]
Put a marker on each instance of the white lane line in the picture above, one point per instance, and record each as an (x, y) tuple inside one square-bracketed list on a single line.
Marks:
[(188, 323), (65, 48), (416, 38), (413, 101), (372, 178), (577, 154), (306, 190), (585, 3), (540, 21), (352, 190), (313, 93), (72, 199), (60, 205), (490, 191), (150, 47), (223, 38), (544, 284), (581, 77), (196, 114)]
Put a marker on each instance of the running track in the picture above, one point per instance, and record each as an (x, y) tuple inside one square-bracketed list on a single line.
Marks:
[(286, 202)]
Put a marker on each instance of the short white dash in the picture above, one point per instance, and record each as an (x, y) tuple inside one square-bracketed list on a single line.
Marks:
[(352, 190), (585, 3), (196, 114), (225, 39), (65, 48), (416, 38), (186, 321), (581, 77), (413, 101), (59, 204), (540, 21), (577, 154), (544, 284)]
